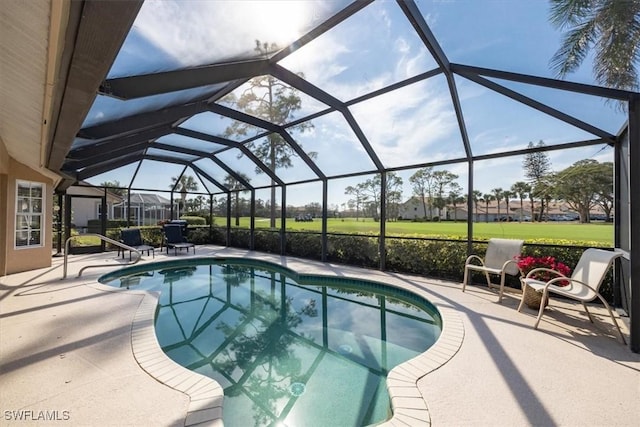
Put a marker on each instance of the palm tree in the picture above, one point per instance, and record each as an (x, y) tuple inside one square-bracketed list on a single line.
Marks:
[(521, 189), (183, 184), (507, 195), (234, 185), (477, 195), (455, 197), (610, 27), (497, 193), (533, 214), (487, 198)]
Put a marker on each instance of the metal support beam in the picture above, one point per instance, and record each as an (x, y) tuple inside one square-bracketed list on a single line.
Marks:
[(540, 106), (170, 81), (101, 29), (252, 216), (604, 92), (233, 144), (470, 207), (382, 248), (362, 138), (210, 217), (283, 221), (414, 15), (229, 219), (634, 215), (325, 201)]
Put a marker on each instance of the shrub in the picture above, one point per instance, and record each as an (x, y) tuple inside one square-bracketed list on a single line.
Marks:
[(240, 238), (218, 236), (358, 250), (194, 220), (198, 235), (304, 245), (267, 241), (95, 225)]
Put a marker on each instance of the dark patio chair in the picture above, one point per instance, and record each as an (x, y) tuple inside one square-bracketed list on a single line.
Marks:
[(173, 238), (132, 237)]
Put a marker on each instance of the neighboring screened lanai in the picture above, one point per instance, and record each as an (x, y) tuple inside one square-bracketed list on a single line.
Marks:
[(357, 90)]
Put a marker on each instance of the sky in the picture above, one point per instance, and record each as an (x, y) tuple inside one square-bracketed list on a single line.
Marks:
[(373, 49)]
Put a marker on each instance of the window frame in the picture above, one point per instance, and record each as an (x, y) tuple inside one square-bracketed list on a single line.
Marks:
[(25, 215)]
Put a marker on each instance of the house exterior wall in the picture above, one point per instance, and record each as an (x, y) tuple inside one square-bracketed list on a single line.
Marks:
[(85, 209), (4, 176), (414, 208), (12, 259)]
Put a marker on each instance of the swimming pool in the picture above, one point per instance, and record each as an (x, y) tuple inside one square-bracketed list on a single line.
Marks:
[(288, 349)]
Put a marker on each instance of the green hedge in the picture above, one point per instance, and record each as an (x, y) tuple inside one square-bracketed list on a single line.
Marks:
[(443, 258), (95, 225), (304, 245), (267, 241), (194, 220)]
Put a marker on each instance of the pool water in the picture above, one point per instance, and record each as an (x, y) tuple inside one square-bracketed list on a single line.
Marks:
[(288, 350)]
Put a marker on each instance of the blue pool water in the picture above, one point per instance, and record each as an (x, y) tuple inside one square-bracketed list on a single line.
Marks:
[(288, 349)]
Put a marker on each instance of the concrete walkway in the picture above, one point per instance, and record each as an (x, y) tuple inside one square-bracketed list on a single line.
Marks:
[(67, 353)]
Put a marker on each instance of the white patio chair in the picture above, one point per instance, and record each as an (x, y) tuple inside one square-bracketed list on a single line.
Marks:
[(500, 259), (584, 283)]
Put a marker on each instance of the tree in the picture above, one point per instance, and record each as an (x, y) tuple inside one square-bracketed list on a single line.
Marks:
[(184, 184), (477, 195), (196, 204), (114, 187), (421, 184), (360, 195), (234, 185), (497, 195), (507, 196), (441, 181), (610, 27), (487, 198), (269, 99), (581, 184), (372, 188), (605, 196), (314, 209), (537, 166), (455, 197), (394, 196), (521, 189)]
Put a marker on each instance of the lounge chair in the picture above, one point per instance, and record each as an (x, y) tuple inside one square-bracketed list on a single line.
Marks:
[(173, 238), (584, 283), (132, 237), (500, 260)]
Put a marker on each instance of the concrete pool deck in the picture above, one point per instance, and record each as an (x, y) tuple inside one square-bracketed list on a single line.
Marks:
[(74, 352)]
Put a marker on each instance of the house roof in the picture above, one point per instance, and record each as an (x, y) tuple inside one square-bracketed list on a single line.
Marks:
[(149, 199)]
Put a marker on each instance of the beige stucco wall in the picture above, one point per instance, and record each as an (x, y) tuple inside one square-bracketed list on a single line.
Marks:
[(4, 172), (14, 260)]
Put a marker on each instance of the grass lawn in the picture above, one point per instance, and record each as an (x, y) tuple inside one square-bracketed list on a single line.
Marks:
[(599, 232)]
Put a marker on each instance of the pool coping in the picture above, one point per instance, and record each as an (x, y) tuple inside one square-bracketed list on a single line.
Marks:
[(206, 396)]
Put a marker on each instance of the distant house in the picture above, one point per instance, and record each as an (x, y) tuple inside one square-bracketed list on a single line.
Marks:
[(86, 204), (145, 209), (413, 208)]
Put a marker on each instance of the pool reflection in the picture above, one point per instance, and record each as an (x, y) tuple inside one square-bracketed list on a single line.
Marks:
[(286, 353)]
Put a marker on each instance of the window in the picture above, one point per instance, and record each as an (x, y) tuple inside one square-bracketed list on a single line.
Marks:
[(29, 208)]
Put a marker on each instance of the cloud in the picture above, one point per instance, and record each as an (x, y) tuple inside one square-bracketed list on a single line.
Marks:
[(201, 32), (405, 126)]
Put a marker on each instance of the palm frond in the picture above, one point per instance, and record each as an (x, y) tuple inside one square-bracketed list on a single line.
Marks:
[(566, 13), (575, 47)]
